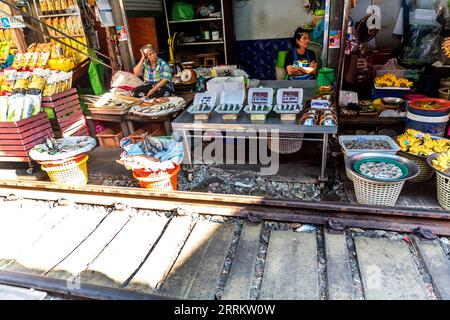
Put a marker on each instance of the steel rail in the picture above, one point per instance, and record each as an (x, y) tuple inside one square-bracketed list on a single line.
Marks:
[(253, 208), (74, 289)]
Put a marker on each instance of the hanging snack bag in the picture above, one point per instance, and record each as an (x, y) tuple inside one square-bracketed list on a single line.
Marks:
[(57, 5), (50, 87), (37, 83), (43, 59), (63, 25), (44, 7), (24, 60), (10, 77), (21, 85), (2, 36), (64, 5), (15, 108), (16, 62), (50, 6), (33, 61), (4, 108), (31, 105)]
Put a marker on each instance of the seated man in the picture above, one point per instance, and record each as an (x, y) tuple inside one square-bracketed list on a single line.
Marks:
[(301, 63), (156, 74)]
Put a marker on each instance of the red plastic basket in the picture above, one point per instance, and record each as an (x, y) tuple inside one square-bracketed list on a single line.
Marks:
[(164, 180)]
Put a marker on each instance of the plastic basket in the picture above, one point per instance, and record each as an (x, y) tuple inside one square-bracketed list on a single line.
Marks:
[(376, 193), (426, 172), (72, 171), (291, 145), (443, 190), (166, 180)]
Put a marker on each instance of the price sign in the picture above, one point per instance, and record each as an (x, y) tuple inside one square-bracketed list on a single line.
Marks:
[(260, 97), (290, 97), (12, 23), (320, 104)]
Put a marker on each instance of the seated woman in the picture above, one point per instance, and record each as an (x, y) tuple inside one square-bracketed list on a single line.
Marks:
[(301, 63), (156, 74)]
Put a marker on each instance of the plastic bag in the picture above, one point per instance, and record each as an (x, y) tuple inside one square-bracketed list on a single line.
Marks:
[(423, 46), (16, 103), (182, 11), (3, 108)]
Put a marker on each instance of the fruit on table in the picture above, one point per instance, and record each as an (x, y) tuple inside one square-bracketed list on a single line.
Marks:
[(442, 162), (391, 80), (421, 144)]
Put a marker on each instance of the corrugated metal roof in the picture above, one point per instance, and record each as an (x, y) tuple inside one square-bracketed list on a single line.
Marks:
[(143, 5)]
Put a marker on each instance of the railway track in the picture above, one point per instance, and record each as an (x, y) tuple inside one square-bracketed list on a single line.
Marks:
[(115, 243)]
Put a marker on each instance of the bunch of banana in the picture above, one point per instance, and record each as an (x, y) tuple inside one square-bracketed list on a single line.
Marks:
[(442, 162), (421, 144), (391, 80), (403, 83)]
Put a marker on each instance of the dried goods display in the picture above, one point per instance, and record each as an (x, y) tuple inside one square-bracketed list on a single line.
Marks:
[(367, 144)]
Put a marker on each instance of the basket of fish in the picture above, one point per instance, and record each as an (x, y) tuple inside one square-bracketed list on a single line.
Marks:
[(288, 112), (201, 112), (229, 111), (158, 107), (379, 178), (258, 112), (366, 143)]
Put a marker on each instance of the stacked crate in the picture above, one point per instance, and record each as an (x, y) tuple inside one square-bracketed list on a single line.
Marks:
[(18, 138), (65, 113)]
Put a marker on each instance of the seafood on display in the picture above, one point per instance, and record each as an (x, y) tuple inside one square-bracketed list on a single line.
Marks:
[(288, 108), (229, 108), (367, 144), (200, 108), (63, 148), (158, 106), (380, 170)]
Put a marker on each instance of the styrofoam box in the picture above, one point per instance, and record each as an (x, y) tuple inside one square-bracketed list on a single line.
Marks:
[(232, 97), (260, 96), (220, 84), (348, 153), (290, 96), (209, 98)]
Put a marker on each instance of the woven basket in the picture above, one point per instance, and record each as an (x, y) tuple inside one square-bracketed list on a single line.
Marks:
[(443, 191), (376, 193), (71, 171), (426, 172), (158, 181), (349, 172), (291, 143)]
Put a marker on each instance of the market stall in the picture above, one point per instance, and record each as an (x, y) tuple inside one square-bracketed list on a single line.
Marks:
[(271, 121)]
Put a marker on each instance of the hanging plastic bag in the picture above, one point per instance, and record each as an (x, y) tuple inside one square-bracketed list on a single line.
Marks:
[(182, 11)]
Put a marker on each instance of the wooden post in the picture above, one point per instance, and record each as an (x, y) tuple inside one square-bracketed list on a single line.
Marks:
[(19, 38)]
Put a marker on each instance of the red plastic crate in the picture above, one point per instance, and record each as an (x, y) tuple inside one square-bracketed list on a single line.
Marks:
[(18, 138), (69, 120)]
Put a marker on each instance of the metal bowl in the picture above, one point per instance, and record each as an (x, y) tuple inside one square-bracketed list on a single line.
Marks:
[(413, 168), (393, 101)]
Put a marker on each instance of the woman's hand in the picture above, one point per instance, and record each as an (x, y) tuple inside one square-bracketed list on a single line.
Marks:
[(151, 92)]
